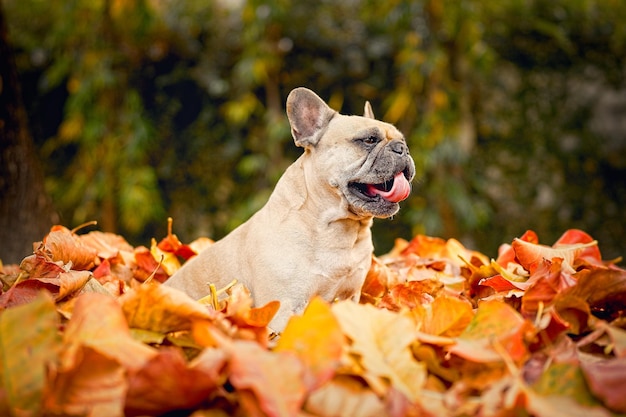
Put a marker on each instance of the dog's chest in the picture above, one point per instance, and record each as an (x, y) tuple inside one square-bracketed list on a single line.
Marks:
[(340, 270)]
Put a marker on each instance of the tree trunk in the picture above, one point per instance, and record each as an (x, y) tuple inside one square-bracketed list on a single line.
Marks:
[(26, 211)]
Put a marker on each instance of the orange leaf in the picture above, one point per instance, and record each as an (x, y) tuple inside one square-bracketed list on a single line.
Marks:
[(506, 253), (447, 316), (316, 339), (411, 294), (167, 383), (548, 280), (531, 255), (269, 383), (162, 309), (98, 322), (494, 323), (62, 245), (106, 245), (94, 385)]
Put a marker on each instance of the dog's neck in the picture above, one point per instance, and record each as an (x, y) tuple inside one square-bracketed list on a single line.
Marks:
[(294, 191)]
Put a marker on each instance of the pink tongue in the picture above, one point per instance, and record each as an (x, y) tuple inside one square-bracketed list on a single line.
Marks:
[(400, 190)]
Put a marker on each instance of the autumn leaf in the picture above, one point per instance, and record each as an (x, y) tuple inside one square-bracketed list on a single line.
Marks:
[(171, 244), (29, 343), (25, 292), (381, 339), (167, 382), (446, 316), (63, 245), (604, 289), (167, 260), (269, 383), (98, 322), (107, 245), (345, 396), (411, 294), (548, 279), (68, 282), (607, 379), (576, 237), (161, 309), (317, 340), (148, 266), (506, 252), (531, 255), (494, 323), (94, 384), (38, 266)]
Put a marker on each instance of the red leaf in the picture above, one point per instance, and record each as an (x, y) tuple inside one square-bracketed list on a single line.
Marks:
[(37, 266), (575, 236), (607, 379)]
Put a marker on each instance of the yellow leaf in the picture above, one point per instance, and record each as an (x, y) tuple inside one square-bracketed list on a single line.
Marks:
[(345, 396), (28, 343), (316, 339), (382, 340)]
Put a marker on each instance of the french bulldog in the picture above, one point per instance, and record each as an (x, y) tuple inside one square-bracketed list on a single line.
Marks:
[(313, 236)]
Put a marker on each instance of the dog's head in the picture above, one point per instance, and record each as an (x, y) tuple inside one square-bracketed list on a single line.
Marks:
[(363, 160)]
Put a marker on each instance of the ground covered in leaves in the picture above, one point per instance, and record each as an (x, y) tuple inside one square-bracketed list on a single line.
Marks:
[(87, 329)]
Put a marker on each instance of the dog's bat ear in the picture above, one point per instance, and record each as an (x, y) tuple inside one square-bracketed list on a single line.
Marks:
[(368, 112), (308, 116)]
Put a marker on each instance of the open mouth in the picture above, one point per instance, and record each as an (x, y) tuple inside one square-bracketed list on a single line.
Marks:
[(394, 190)]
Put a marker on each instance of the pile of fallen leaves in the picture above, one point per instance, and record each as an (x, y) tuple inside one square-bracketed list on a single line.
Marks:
[(87, 329)]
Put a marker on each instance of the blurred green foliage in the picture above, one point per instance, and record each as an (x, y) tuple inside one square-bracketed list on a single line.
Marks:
[(514, 110)]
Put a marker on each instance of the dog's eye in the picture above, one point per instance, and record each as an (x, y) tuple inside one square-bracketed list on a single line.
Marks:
[(371, 140)]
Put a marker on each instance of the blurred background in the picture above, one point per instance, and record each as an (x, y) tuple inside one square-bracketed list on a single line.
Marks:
[(515, 111)]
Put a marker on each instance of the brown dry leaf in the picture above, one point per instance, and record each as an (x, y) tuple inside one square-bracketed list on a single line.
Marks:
[(37, 266), (155, 307), (107, 245), (68, 283), (268, 383), (98, 322), (382, 340), (63, 245), (604, 289), (411, 294), (317, 340), (167, 383), (93, 385), (345, 396)]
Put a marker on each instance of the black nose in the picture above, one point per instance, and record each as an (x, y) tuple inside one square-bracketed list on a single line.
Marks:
[(398, 147)]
